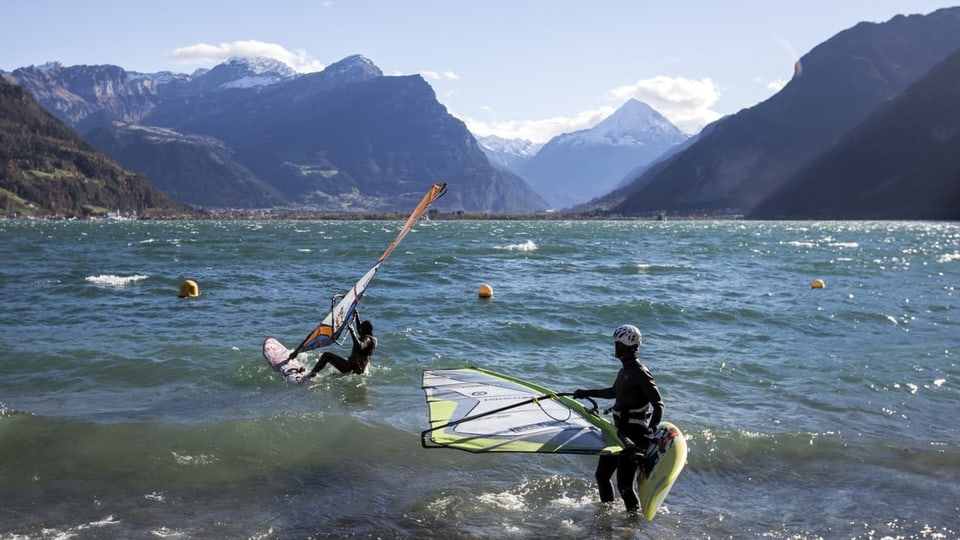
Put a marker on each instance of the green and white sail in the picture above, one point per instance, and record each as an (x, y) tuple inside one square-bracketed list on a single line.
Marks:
[(477, 410)]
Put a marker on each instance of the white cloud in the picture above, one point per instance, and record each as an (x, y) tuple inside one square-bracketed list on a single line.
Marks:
[(687, 103), (440, 75), (776, 85), (206, 55), (537, 130)]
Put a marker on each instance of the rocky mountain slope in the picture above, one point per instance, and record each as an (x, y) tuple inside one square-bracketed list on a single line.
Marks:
[(47, 170), (749, 156), (902, 162), (250, 135)]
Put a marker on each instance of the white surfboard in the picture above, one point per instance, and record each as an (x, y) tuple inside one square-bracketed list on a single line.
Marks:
[(278, 356)]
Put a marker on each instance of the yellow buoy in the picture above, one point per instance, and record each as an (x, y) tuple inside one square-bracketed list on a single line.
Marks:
[(485, 291), (816, 284), (189, 288)]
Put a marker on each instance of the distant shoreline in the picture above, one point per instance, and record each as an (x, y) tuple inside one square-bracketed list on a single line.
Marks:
[(390, 216), (461, 215)]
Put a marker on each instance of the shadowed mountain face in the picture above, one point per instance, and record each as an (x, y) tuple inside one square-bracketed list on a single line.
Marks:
[(47, 170), (902, 162), (346, 138), (752, 154)]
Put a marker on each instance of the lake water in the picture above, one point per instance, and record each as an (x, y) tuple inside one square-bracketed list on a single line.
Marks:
[(127, 412)]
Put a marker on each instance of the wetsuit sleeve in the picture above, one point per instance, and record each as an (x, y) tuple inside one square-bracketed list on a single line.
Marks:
[(605, 393), (652, 395), (353, 336)]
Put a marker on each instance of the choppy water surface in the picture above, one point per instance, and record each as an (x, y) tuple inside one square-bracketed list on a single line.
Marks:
[(126, 412)]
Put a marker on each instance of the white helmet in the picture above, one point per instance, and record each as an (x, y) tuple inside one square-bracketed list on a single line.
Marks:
[(628, 334)]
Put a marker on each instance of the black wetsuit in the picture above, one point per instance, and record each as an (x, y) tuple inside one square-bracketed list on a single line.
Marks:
[(636, 413), (363, 347)]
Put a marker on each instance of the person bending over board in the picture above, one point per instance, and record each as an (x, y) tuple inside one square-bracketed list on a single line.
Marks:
[(637, 410), (364, 343)]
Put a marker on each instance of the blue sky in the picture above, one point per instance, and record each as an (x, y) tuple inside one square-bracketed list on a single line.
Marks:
[(519, 69)]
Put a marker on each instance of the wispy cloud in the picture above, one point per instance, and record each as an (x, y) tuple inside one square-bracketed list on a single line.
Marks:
[(687, 103), (537, 130), (207, 55), (440, 75), (772, 84)]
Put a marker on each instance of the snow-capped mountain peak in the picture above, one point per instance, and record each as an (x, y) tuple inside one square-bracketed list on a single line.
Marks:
[(519, 147), (353, 68), (507, 153), (634, 114), (574, 167), (634, 124), (254, 72), (262, 66)]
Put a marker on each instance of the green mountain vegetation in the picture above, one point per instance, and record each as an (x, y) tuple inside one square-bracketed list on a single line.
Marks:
[(47, 170)]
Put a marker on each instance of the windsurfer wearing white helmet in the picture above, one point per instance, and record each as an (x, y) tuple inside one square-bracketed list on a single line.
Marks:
[(637, 411)]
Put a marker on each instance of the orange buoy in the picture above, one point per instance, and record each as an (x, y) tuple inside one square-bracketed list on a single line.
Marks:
[(485, 291), (817, 284), (189, 288)]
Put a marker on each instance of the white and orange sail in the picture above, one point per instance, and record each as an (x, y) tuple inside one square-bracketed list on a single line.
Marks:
[(336, 321)]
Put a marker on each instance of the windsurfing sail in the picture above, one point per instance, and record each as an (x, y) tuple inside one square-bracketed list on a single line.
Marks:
[(339, 316), (477, 410)]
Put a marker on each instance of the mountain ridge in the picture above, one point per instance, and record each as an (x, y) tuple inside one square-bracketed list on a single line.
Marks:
[(749, 155), (863, 176), (292, 134)]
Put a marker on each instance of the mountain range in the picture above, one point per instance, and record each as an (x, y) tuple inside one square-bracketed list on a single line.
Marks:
[(253, 134), (745, 158), (863, 130)]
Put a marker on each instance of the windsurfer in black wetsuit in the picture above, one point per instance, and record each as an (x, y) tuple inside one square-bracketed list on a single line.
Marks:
[(637, 410), (364, 343)]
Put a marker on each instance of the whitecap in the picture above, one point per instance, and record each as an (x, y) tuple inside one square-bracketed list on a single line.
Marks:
[(109, 280), (529, 245), (184, 459), (166, 532), (504, 500), (74, 531)]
